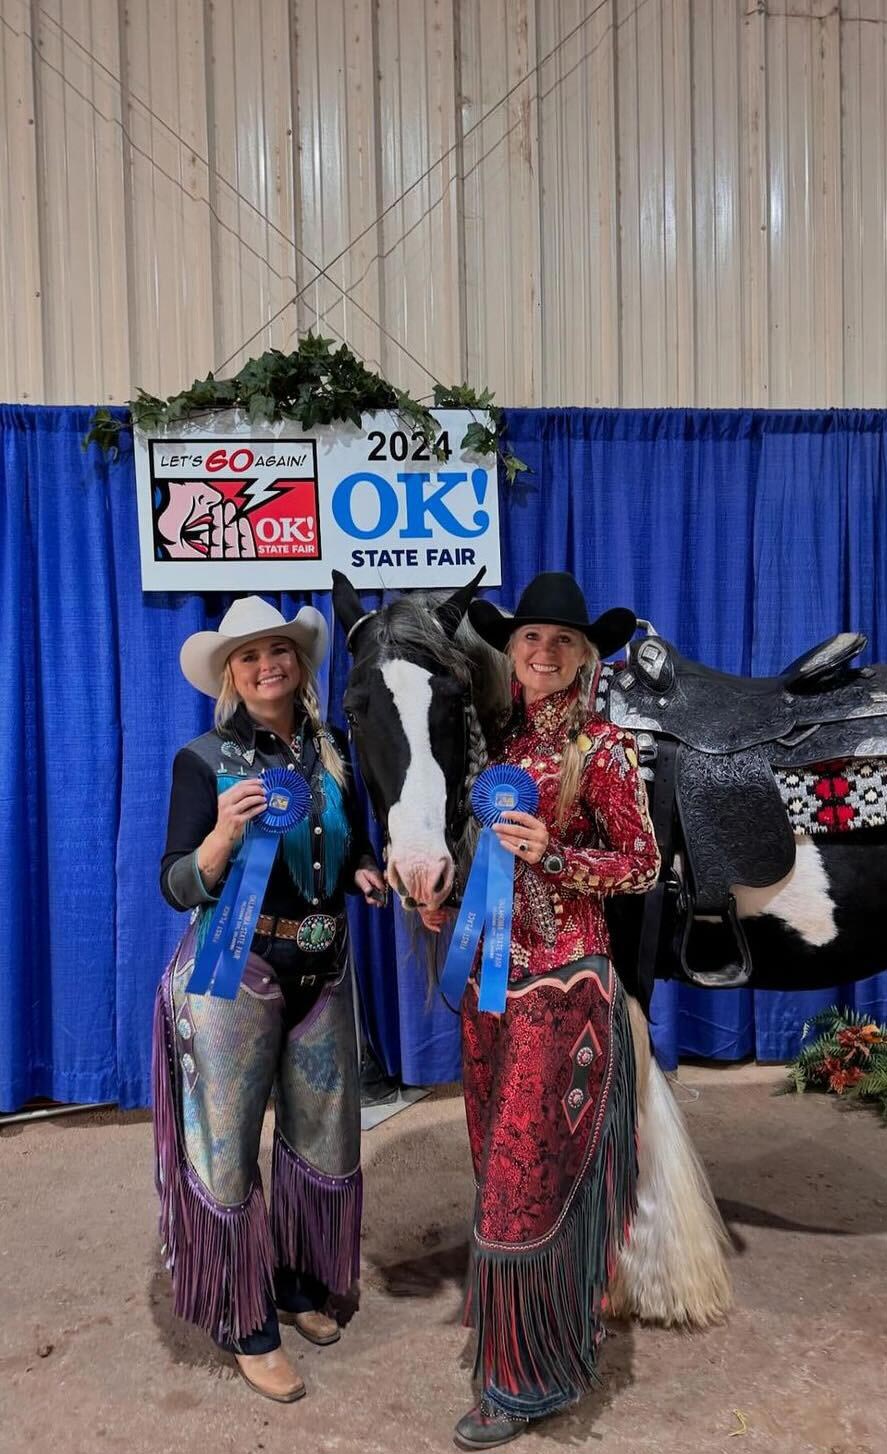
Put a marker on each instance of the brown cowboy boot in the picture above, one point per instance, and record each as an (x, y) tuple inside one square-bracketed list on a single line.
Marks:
[(313, 1325), (271, 1374)]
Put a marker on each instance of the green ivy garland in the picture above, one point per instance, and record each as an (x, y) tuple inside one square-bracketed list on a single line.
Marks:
[(314, 385)]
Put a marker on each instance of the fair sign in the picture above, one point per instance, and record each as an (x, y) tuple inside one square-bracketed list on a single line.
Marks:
[(241, 507)]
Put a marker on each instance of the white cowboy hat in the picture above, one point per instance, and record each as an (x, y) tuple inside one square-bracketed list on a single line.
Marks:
[(203, 656)]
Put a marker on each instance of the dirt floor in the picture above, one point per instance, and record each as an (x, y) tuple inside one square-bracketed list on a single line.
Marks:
[(91, 1359)]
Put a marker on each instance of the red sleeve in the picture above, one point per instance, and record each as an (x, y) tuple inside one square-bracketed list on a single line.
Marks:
[(614, 796)]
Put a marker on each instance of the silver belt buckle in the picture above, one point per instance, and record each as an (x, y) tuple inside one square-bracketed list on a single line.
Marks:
[(308, 980)]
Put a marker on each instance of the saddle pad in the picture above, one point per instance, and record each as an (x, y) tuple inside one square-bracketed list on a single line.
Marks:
[(836, 797)]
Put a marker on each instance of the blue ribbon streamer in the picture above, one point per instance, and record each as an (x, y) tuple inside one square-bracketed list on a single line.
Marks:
[(488, 899), (221, 960)]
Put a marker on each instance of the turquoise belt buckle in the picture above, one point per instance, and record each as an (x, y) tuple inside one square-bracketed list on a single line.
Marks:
[(316, 933)]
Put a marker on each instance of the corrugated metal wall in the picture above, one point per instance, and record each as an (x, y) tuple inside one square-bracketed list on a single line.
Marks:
[(571, 201)]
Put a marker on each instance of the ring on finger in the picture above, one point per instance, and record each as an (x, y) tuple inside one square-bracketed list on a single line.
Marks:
[(523, 847)]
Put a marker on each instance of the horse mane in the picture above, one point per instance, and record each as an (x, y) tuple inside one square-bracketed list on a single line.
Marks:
[(408, 627)]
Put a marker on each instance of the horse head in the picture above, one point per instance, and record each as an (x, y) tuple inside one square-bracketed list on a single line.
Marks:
[(410, 705)]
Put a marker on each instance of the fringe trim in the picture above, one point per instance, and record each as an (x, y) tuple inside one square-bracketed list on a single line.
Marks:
[(315, 1219), (298, 846), (539, 1313), (220, 1258), (299, 843)]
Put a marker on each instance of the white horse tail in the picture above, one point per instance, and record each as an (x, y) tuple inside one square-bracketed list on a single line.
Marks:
[(673, 1269)]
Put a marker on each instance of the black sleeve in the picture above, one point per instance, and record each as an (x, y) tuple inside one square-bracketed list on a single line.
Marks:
[(361, 854), (193, 809)]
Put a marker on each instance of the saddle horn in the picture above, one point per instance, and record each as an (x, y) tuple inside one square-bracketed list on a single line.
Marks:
[(450, 612)]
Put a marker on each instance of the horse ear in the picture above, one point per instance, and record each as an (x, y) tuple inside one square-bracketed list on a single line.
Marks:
[(346, 601), (450, 612)]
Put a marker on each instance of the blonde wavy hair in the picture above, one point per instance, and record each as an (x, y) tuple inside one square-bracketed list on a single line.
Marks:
[(229, 700), (580, 709)]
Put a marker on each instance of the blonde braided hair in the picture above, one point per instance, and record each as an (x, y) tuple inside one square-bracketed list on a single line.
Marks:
[(229, 700), (574, 758)]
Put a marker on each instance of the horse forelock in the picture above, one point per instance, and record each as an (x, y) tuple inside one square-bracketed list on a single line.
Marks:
[(408, 628)]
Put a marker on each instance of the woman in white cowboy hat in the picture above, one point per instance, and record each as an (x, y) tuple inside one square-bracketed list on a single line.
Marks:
[(237, 1270)]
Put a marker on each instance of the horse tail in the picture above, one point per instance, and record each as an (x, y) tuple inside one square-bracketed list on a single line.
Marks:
[(673, 1269)]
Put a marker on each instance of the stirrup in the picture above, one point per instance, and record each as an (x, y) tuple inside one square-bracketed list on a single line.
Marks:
[(733, 976)]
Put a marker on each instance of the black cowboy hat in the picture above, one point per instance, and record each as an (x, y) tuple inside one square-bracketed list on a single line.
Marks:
[(554, 598)]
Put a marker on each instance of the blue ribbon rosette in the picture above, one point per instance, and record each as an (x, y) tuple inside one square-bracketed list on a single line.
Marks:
[(222, 957), (489, 893)]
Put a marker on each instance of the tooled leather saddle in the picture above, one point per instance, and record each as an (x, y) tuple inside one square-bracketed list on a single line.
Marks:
[(712, 742)]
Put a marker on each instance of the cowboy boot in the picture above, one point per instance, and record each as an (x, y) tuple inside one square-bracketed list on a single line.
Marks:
[(484, 1427), (271, 1374), (313, 1325)]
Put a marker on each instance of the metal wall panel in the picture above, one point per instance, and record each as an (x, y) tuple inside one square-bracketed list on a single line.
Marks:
[(21, 302), (501, 197), (338, 176), (634, 202)]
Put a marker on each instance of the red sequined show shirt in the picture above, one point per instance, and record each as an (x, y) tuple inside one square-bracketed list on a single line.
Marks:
[(607, 842)]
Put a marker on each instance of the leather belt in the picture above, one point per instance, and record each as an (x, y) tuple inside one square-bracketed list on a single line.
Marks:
[(314, 934), (273, 928)]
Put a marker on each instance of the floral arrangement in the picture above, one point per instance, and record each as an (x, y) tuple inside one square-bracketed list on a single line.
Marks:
[(848, 1056)]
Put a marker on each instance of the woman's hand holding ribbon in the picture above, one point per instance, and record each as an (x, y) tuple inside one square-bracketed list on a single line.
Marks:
[(285, 801), (522, 834), (236, 808), (238, 805), (500, 792)]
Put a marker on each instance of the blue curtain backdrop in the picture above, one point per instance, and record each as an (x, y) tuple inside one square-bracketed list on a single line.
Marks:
[(745, 537)]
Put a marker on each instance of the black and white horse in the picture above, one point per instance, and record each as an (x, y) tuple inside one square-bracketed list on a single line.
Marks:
[(422, 692)]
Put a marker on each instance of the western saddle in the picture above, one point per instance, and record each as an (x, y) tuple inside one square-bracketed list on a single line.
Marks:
[(713, 741)]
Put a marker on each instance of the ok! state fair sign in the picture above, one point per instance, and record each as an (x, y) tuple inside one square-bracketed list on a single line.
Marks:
[(243, 507)]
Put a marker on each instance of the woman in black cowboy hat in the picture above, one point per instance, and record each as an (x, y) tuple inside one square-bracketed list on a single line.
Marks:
[(549, 1084)]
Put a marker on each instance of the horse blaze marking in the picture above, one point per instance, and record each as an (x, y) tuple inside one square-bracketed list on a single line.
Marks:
[(416, 822)]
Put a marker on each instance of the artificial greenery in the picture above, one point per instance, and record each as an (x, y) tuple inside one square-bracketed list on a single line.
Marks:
[(314, 385), (479, 438), (848, 1056)]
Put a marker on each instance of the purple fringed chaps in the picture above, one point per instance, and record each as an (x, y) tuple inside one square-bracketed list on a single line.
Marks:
[(220, 1258), (315, 1219)]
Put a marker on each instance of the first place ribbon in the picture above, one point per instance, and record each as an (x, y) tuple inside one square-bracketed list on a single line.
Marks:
[(489, 893), (222, 958)]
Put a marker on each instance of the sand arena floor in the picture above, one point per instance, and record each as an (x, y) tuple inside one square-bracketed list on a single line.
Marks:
[(91, 1359)]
